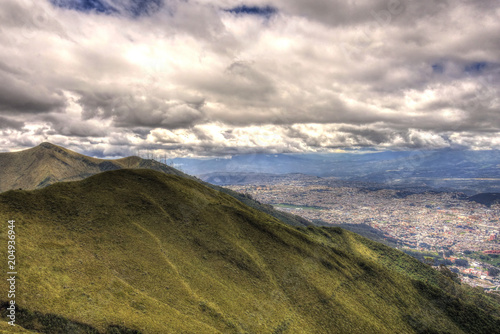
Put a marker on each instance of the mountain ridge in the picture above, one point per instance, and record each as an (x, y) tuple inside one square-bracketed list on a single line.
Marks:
[(47, 164)]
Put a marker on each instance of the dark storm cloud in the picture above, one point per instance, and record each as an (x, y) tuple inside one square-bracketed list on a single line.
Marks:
[(19, 95), (135, 111), (72, 128), (7, 123), (376, 136)]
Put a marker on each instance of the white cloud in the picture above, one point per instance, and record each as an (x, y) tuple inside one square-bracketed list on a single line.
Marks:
[(195, 79)]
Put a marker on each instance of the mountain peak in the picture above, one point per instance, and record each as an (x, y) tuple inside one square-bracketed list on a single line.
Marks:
[(48, 145), (48, 163)]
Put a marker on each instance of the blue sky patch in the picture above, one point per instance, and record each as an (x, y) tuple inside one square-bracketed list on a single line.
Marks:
[(84, 5), (476, 67), (438, 68), (144, 7), (253, 10), (134, 8)]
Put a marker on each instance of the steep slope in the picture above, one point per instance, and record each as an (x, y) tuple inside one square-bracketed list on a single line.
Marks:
[(141, 251), (47, 164)]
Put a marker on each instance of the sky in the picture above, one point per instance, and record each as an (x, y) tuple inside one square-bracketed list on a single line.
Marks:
[(214, 78)]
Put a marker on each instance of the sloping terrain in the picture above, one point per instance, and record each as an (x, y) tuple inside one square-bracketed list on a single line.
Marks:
[(487, 199), (47, 164), (131, 251), (368, 232)]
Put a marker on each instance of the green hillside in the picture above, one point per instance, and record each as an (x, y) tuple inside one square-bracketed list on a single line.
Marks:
[(47, 164), (131, 251)]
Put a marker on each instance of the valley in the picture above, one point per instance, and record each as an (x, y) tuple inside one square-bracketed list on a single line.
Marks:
[(446, 224)]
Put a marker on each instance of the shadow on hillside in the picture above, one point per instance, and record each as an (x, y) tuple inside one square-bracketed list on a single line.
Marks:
[(55, 324)]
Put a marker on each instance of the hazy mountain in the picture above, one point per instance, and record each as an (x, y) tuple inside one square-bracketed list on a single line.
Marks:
[(131, 251), (227, 178), (441, 163), (470, 171), (48, 163), (486, 199)]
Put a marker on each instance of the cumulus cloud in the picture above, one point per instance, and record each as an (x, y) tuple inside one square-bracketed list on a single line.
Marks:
[(230, 76)]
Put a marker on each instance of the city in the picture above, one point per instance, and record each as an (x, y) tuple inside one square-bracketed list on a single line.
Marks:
[(463, 234)]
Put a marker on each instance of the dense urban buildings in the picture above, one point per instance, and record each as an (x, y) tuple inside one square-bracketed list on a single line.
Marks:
[(443, 223)]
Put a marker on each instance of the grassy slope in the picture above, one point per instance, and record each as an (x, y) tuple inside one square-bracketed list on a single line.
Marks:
[(285, 217), (469, 307), (368, 232), (6, 328), (163, 254), (47, 164)]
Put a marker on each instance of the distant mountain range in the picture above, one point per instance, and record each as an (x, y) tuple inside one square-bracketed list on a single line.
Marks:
[(142, 251), (468, 171), (228, 178)]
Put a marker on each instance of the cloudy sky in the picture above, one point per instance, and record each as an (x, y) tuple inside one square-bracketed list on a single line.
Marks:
[(207, 78)]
